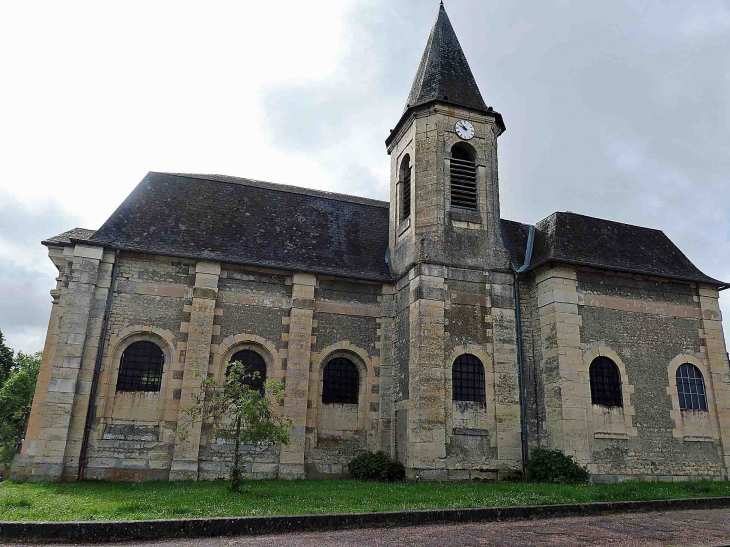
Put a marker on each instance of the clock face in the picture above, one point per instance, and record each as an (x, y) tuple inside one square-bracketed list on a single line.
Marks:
[(464, 129)]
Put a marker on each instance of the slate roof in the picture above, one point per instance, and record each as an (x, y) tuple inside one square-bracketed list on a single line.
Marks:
[(514, 238), (589, 241), (64, 239), (444, 70), (242, 221), (444, 75)]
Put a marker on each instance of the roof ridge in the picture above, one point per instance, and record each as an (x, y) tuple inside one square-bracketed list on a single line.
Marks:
[(554, 214), (276, 187)]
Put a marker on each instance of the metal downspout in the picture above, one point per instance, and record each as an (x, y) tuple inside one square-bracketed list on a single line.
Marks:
[(97, 370), (520, 360)]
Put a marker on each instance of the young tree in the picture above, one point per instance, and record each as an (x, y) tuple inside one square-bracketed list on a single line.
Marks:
[(6, 360), (16, 400), (238, 411)]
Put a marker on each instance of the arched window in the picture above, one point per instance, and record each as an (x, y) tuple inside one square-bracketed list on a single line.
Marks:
[(605, 383), (467, 379), (341, 382), (252, 362), (405, 177), (141, 368), (691, 388), (463, 177)]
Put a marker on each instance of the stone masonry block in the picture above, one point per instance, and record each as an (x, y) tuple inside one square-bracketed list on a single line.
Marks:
[(85, 251), (208, 268)]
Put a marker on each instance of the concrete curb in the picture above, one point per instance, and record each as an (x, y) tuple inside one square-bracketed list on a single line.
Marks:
[(165, 529)]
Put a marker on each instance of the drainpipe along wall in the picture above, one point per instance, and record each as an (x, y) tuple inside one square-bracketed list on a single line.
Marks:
[(520, 357), (91, 411)]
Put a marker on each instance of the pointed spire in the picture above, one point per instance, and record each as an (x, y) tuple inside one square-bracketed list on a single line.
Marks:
[(444, 72)]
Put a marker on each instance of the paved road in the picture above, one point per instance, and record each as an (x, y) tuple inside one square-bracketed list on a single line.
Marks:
[(677, 528)]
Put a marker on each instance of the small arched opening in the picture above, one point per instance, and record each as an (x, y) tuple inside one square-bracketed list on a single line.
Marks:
[(405, 178), (691, 388), (254, 367), (605, 383), (463, 173)]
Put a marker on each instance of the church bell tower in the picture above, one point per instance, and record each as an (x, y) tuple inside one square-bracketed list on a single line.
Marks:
[(444, 182), (444, 246)]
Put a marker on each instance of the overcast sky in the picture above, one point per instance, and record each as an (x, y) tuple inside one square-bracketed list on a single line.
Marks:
[(616, 109)]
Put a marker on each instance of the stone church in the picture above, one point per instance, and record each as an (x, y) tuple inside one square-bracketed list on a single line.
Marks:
[(427, 327)]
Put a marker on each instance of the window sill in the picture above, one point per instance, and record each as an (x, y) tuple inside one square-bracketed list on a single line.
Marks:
[(614, 436), (403, 226), (698, 439), (466, 215), (470, 432), (466, 225)]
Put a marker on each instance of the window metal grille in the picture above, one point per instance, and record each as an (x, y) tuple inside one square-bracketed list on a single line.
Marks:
[(406, 193), (141, 368), (463, 183), (252, 362), (605, 383), (691, 388), (341, 382), (468, 380)]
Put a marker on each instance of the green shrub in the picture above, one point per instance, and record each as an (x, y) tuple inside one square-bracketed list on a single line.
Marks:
[(376, 466), (553, 466)]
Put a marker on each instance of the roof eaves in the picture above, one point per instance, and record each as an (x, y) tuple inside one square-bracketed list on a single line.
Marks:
[(707, 279), (65, 239), (368, 276)]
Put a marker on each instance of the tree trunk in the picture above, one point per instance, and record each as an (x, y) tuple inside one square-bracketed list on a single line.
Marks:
[(236, 469)]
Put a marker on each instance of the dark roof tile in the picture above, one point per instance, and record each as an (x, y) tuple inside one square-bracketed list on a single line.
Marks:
[(250, 222), (514, 238), (65, 238), (444, 75), (444, 72), (263, 224), (579, 239)]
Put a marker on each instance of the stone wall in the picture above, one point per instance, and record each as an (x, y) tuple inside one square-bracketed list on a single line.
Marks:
[(444, 313), (648, 327), (200, 314), (404, 340), (133, 433), (435, 233)]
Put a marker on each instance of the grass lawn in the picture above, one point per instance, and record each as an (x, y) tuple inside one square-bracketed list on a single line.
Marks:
[(118, 501)]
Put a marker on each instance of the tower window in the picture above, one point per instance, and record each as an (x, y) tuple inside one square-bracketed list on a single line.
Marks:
[(252, 362), (405, 177), (605, 383), (691, 388), (467, 379), (141, 368), (341, 382), (463, 177)]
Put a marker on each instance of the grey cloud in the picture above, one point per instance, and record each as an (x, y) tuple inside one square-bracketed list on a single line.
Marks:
[(613, 109), (344, 120), (617, 109), (27, 277)]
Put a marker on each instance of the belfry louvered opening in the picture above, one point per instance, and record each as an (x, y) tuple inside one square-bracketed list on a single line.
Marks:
[(405, 176), (463, 178)]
